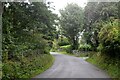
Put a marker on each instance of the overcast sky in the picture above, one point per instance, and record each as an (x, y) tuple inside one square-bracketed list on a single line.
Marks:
[(60, 4)]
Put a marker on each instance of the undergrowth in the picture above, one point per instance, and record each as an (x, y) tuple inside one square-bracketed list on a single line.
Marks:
[(110, 65), (27, 68)]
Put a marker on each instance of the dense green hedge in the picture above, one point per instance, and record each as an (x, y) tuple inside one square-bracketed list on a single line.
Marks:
[(109, 37)]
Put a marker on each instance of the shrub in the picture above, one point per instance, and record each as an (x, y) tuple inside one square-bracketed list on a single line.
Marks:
[(63, 42), (67, 48), (110, 65), (27, 68), (84, 47), (109, 37)]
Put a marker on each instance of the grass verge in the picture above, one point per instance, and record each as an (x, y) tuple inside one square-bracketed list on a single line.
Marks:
[(28, 67), (108, 64)]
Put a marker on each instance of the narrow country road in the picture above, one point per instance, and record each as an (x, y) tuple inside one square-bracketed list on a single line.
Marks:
[(66, 66)]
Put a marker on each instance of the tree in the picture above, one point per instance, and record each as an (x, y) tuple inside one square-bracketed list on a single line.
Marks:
[(28, 31), (95, 17), (22, 22), (71, 22)]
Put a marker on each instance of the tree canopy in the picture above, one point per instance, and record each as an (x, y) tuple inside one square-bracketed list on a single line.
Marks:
[(95, 17), (27, 27), (71, 22)]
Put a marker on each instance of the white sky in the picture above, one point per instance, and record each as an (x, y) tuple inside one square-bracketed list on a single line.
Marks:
[(60, 4)]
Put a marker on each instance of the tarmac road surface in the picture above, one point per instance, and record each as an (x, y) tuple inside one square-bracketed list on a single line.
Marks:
[(66, 66)]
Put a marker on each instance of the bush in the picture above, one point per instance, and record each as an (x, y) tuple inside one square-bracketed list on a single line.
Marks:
[(63, 42), (55, 45), (109, 37), (66, 48), (27, 68), (110, 65), (84, 47)]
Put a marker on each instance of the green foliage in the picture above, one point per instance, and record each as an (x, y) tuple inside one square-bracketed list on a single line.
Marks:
[(28, 32), (109, 37), (0, 69), (27, 27), (27, 68), (63, 42), (55, 45), (102, 32), (84, 47), (71, 21), (95, 17), (66, 48), (110, 65)]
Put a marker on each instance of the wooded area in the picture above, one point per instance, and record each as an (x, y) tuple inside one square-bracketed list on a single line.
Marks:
[(31, 30), (28, 33)]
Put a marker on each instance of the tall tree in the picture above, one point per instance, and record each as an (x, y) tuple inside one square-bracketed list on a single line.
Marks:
[(23, 23), (95, 17), (71, 22)]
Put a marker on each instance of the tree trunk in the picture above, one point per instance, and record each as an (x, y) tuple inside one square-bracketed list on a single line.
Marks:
[(75, 43)]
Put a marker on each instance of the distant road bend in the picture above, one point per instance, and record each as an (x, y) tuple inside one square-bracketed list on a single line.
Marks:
[(66, 66)]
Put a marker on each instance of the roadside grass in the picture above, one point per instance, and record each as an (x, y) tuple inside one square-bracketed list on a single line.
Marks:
[(29, 67), (111, 66)]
